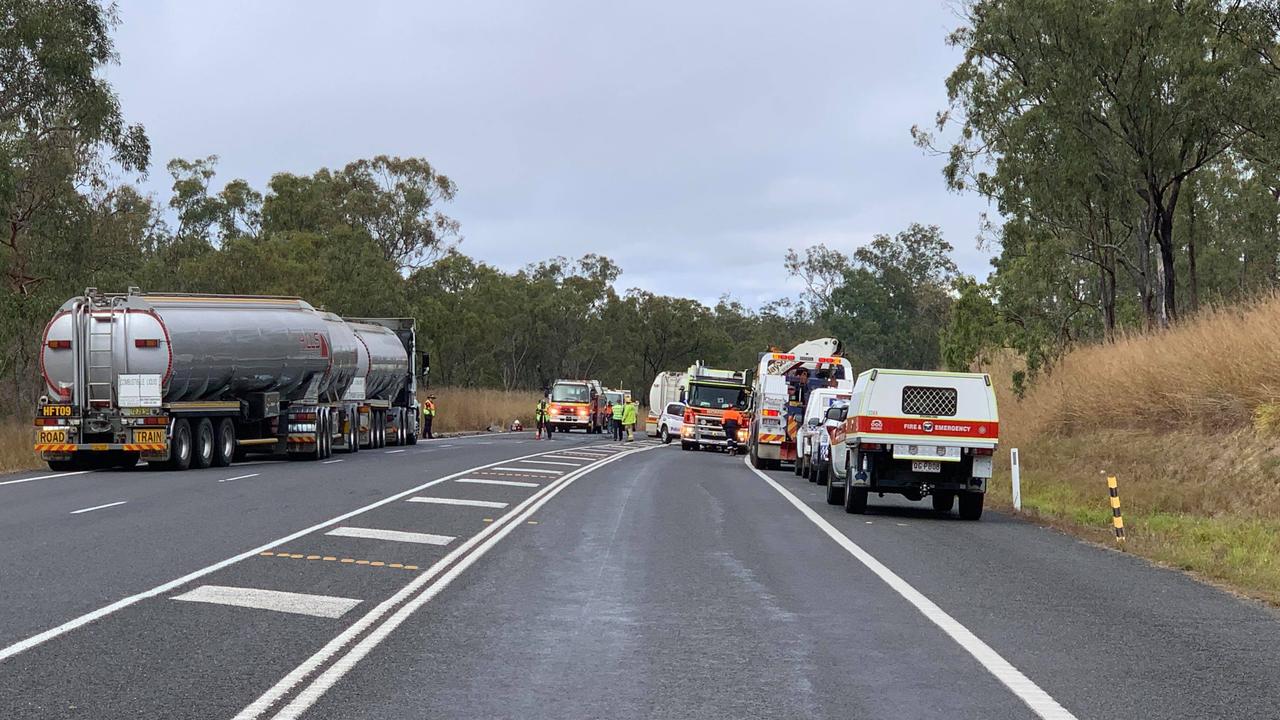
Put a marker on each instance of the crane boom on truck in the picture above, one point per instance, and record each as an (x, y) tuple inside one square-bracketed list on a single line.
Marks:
[(189, 380), (781, 388)]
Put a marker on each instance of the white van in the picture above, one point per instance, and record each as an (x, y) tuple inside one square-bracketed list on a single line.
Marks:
[(815, 425), (916, 434)]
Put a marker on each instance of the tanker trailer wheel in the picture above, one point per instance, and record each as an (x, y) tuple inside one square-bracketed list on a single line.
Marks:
[(202, 450), (224, 444), (412, 419), (180, 446)]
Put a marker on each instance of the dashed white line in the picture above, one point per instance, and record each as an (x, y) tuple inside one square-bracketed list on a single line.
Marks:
[(553, 462), (486, 481), (393, 535), (240, 477), (457, 501), (324, 606), (44, 477), (528, 470), (1027, 691), (98, 507), (393, 452), (330, 462)]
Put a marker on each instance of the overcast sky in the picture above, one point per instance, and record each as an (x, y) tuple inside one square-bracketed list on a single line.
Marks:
[(692, 142)]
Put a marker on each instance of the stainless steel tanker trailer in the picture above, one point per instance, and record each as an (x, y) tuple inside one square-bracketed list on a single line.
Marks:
[(183, 380)]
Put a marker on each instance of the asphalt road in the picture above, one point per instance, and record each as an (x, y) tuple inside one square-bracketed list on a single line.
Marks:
[(583, 579)]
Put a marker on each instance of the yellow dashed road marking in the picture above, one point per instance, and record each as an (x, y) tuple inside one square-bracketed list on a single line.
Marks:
[(331, 558)]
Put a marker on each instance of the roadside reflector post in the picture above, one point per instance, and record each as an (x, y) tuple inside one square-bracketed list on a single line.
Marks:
[(1117, 520), (1015, 472)]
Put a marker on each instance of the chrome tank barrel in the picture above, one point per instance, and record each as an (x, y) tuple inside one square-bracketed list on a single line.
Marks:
[(344, 349), (204, 347), (384, 362)]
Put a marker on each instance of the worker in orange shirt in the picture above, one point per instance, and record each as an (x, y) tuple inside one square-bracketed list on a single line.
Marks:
[(730, 421)]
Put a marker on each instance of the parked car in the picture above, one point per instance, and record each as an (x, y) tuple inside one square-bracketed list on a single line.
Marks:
[(814, 425), (669, 422), (917, 434), (819, 457)]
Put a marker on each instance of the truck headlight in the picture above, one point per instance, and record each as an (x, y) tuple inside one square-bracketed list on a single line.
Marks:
[(744, 434)]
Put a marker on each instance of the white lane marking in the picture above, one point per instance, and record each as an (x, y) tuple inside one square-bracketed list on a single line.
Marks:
[(486, 481), (240, 477), (529, 470), (324, 606), (553, 462), (1027, 691), (85, 619), (98, 507), (318, 687), (393, 452), (393, 535), (457, 501), (330, 462), (444, 446), (44, 477), (568, 456)]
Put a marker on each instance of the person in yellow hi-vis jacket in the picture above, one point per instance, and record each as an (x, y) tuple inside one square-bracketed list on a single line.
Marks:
[(540, 416), (428, 416), (618, 409), (630, 412)]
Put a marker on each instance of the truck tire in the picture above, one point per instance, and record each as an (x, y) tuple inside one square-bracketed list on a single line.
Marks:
[(202, 444), (65, 465), (835, 495), (180, 446), (754, 453), (798, 466), (855, 501), (224, 443), (686, 445), (971, 505), (412, 437), (943, 501)]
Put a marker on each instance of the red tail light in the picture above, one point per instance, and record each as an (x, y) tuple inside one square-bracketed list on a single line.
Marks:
[(869, 446), (829, 360), (146, 343), (304, 417), (983, 451), (155, 421), (770, 413), (59, 344)]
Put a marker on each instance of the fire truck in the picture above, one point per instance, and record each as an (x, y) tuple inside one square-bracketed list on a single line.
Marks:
[(577, 405), (707, 393)]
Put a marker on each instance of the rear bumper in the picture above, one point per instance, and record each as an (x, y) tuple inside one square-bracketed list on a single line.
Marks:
[(98, 447)]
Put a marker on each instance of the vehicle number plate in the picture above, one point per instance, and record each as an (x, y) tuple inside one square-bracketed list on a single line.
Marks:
[(56, 411), (52, 436), (148, 436), (931, 466)]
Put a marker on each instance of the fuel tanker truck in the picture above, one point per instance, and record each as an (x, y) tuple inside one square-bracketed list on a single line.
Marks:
[(183, 380)]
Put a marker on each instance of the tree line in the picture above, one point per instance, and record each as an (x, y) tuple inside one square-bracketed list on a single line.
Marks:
[(369, 239), (1129, 148), (1132, 150)]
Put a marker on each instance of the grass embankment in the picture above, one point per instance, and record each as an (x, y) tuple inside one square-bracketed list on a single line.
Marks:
[(1188, 420), (462, 409), (15, 447)]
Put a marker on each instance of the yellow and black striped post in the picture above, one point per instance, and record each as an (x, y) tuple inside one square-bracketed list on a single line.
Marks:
[(1116, 519)]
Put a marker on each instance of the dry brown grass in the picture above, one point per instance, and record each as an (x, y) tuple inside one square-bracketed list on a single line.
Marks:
[(15, 447), (462, 409), (1188, 420)]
